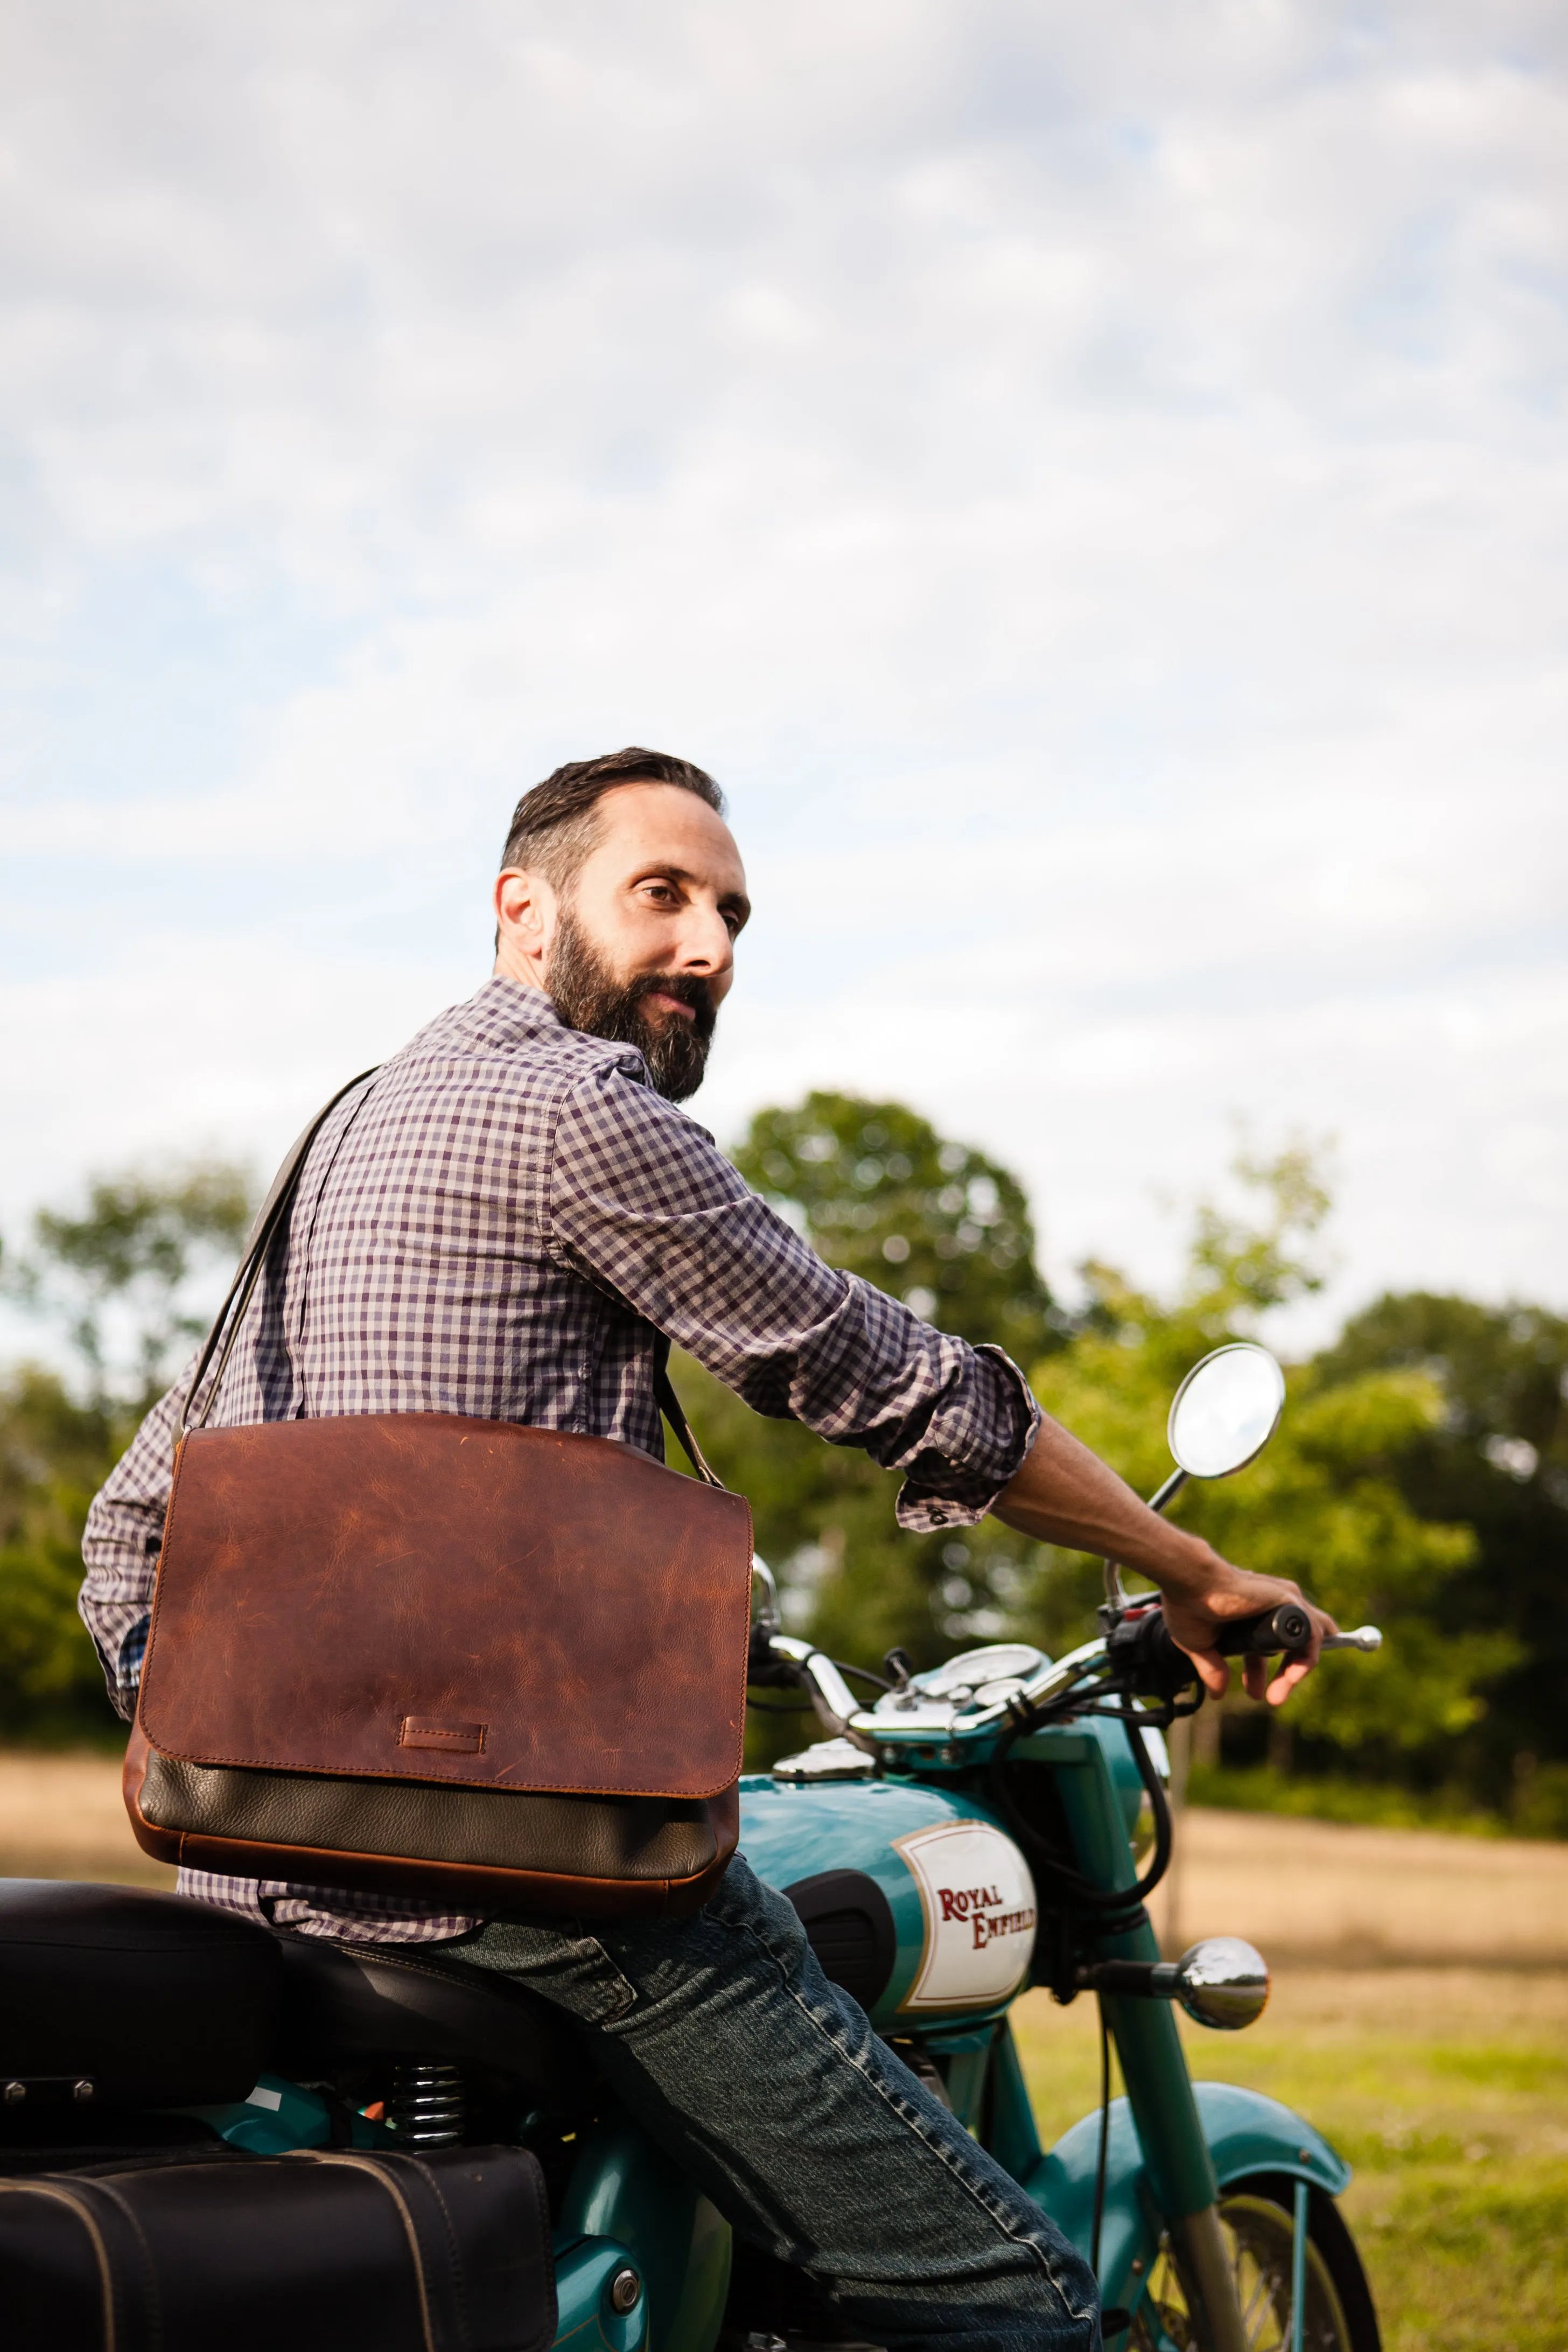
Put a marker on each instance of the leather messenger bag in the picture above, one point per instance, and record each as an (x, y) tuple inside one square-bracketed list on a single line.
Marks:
[(425, 1653)]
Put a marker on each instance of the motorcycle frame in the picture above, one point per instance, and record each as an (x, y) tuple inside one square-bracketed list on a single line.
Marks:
[(1172, 2146)]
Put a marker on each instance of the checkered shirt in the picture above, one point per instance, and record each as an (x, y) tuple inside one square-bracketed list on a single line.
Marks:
[(500, 1222)]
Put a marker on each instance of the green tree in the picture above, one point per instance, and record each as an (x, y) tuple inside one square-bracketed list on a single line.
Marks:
[(118, 1278), (1321, 1502), (123, 1282), (1495, 1457), (879, 1191), (54, 1454), (936, 1222)]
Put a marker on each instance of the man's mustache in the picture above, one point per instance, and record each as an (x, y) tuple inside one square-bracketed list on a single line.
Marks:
[(686, 988)]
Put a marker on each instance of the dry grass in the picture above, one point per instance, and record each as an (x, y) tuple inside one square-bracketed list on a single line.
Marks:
[(1316, 1891), (61, 1817)]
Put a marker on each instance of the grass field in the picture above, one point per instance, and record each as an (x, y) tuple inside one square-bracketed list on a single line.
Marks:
[(1445, 2086), (1448, 2090)]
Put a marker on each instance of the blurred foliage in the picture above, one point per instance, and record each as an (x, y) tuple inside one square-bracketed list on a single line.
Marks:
[(54, 1456), (876, 1191), (1494, 1459), (117, 1279), (1329, 1501), (122, 1284), (937, 1223), (1419, 1478), (1321, 1502)]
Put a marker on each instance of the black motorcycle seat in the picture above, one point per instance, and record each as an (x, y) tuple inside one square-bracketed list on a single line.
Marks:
[(347, 2002), (147, 1999)]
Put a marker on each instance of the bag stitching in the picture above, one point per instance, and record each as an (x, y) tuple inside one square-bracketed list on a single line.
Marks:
[(453, 2250), (378, 2172), (154, 2313), (101, 2250)]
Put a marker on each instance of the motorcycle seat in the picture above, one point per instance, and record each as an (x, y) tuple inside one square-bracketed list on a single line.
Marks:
[(145, 1998), (345, 2002)]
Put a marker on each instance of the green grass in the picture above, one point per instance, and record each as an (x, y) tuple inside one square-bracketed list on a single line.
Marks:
[(1447, 2089)]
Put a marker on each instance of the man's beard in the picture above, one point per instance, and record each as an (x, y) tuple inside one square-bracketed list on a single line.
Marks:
[(588, 996)]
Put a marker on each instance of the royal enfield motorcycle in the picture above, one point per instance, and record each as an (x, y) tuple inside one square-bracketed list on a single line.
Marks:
[(992, 1823)]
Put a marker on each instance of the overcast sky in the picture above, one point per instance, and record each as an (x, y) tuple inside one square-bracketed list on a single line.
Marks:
[(1091, 482)]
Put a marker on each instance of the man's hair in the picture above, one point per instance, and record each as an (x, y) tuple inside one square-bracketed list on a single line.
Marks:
[(553, 827)]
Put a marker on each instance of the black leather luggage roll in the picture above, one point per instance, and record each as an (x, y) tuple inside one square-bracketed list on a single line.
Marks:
[(448, 2251)]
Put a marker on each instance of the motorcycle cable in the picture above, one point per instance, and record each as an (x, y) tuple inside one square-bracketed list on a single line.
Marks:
[(1102, 2159), (1074, 1887)]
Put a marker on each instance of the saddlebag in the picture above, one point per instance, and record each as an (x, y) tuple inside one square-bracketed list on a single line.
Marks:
[(419, 1652), (448, 2251)]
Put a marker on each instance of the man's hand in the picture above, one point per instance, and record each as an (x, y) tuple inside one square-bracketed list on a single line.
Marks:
[(1193, 1620), (1063, 1494)]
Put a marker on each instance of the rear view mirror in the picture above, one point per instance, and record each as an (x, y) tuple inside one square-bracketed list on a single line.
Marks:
[(1225, 1411)]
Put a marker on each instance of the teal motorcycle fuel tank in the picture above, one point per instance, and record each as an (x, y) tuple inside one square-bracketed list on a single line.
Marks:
[(916, 1900)]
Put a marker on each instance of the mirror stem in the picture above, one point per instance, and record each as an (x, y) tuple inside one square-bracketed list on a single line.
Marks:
[(1169, 1491), (1167, 1494)]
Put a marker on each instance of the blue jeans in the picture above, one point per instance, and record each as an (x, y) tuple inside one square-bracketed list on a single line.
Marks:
[(765, 2084)]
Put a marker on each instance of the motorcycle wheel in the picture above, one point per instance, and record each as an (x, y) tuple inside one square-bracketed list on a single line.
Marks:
[(1256, 2214)]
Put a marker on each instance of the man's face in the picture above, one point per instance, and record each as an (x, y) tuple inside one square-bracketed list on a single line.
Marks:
[(641, 944)]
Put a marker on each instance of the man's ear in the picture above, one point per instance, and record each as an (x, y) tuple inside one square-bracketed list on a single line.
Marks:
[(526, 912)]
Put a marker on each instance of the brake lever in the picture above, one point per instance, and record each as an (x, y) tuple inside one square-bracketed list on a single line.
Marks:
[(1366, 1637)]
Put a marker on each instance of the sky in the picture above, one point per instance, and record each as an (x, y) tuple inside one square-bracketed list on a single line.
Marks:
[(1091, 483)]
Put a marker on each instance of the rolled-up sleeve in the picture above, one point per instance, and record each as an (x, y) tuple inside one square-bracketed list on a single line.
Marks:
[(640, 1199), (120, 1548)]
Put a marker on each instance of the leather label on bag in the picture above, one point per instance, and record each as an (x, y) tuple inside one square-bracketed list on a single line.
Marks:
[(432, 1731)]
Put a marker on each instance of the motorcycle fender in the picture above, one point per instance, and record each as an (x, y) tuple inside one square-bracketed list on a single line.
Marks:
[(1246, 2133)]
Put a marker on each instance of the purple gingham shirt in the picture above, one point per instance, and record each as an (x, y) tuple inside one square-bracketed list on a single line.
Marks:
[(500, 1222)]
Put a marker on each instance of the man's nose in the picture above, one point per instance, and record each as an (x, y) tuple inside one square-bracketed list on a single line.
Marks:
[(706, 945)]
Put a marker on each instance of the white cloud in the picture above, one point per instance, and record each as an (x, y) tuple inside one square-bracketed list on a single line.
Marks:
[(1093, 484)]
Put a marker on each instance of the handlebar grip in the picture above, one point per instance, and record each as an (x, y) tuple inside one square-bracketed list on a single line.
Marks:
[(1289, 1627)]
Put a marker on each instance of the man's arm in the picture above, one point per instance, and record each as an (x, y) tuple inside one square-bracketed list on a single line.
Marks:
[(1063, 1494), (120, 1547), (641, 1198)]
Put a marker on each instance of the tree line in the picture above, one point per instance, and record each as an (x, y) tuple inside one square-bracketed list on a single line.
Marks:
[(1419, 1478)]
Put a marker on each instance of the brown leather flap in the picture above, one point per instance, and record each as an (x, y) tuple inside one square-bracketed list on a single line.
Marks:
[(421, 1596)]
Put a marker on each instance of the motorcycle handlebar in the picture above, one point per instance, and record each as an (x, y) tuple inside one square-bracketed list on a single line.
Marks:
[(1155, 1667), (1289, 1627)]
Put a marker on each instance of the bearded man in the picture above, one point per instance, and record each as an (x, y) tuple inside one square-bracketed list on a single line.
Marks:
[(503, 1220)]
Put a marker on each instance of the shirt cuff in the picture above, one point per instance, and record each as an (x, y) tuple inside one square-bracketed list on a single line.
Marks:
[(128, 1665), (974, 1447)]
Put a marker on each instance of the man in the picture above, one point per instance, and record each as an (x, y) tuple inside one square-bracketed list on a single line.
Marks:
[(502, 1222)]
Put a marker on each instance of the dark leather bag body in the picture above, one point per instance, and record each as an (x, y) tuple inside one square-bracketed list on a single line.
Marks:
[(444, 2253), (424, 1654)]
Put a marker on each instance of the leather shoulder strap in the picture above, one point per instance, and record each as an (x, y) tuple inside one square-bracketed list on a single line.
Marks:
[(674, 1411), (272, 1214)]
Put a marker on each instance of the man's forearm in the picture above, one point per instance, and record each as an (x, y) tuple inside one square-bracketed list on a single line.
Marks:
[(1063, 1494)]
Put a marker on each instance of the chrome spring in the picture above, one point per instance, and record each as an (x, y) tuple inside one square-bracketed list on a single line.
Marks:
[(425, 2108)]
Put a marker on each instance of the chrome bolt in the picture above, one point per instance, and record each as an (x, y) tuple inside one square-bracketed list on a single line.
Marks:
[(625, 2288), (82, 2090), (14, 2094)]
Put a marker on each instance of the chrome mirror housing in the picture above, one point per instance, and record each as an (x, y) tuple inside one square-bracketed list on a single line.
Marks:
[(1222, 1982), (1225, 1411)]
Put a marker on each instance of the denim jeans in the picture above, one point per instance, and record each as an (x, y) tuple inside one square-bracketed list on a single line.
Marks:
[(765, 2083)]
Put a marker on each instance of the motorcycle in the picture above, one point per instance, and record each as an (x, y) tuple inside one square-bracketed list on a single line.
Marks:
[(973, 1831)]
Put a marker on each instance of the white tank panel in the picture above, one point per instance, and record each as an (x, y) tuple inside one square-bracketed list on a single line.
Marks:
[(979, 1904)]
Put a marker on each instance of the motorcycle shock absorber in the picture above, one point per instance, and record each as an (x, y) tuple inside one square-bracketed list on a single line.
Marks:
[(426, 2107)]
